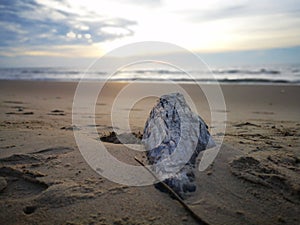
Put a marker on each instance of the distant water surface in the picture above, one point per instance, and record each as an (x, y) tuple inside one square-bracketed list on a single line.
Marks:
[(288, 73)]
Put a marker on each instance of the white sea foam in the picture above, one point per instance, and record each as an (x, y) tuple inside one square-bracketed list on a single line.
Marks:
[(235, 74)]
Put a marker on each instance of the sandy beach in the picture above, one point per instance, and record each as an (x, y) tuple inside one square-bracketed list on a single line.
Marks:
[(45, 180)]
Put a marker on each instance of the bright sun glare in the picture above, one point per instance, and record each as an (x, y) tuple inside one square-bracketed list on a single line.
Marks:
[(196, 25)]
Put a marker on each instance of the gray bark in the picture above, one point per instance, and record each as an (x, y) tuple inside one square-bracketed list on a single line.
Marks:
[(173, 137)]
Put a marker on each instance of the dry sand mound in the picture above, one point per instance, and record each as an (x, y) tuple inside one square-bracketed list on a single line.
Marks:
[(54, 151), (64, 194)]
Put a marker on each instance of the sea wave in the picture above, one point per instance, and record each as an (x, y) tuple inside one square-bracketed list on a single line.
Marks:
[(240, 71), (242, 74)]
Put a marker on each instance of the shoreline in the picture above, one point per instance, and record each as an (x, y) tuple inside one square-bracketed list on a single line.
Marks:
[(160, 82)]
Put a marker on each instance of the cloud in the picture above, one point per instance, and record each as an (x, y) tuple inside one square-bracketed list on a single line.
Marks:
[(243, 9), (36, 23), (145, 2), (247, 24), (89, 28)]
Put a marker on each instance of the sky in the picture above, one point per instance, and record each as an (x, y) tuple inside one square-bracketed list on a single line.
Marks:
[(74, 32)]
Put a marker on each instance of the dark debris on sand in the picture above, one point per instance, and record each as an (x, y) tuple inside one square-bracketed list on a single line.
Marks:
[(57, 112), (123, 138)]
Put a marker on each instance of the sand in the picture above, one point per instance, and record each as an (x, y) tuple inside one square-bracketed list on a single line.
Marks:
[(45, 180)]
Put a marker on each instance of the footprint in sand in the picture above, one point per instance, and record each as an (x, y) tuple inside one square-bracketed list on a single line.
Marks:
[(20, 184), (279, 171), (23, 186)]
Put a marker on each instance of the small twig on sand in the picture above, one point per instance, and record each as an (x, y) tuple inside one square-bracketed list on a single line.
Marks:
[(176, 196)]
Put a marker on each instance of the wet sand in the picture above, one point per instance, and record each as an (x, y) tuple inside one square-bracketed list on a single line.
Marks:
[(45, 180)]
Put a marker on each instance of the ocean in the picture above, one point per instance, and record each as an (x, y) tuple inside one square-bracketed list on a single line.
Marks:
[(265, 74)]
